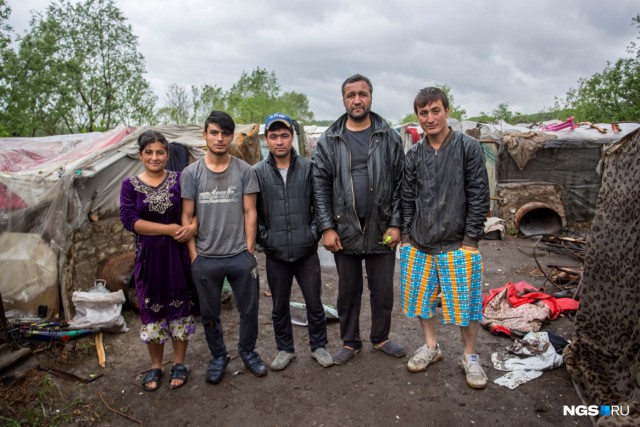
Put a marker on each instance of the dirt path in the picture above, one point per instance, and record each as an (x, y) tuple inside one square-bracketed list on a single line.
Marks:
[(373, 389)]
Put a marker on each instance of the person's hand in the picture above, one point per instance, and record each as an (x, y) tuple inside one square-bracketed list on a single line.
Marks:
[(331, 240), (391, 237), (185, 233)]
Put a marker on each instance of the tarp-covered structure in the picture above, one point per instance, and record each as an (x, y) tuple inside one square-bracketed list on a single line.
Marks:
[(566, 160), (604, 360), (52, 186)]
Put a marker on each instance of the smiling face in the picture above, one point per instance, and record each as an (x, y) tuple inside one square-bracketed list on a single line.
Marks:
[(433, 120), (357, 99), (154, 157), (218, 140)]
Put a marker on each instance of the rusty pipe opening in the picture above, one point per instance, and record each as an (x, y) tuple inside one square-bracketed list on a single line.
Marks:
[(536, 218)]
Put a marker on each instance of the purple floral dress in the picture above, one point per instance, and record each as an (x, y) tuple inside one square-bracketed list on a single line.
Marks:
[(162, 265)]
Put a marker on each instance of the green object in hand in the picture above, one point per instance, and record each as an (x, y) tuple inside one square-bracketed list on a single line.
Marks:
[(386, 240)]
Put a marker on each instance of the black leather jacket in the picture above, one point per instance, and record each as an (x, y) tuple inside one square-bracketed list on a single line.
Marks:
[(286, 225), (445, 194), (334, 198)]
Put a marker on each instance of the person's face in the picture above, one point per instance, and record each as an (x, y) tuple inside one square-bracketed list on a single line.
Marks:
[(280, 142), (154, 157), (433, 119), (357, 100), (218, 141)]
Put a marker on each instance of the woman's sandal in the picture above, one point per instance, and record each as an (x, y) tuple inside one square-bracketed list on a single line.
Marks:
[(179, 372), (153, 375)]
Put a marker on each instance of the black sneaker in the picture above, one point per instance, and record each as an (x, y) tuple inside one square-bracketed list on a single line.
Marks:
[(216, 368), (252, 361)]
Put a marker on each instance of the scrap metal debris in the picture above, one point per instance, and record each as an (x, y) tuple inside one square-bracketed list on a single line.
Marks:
[(566, 279)]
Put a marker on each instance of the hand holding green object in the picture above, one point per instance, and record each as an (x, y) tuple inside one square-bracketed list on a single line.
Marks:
[(386, 240)]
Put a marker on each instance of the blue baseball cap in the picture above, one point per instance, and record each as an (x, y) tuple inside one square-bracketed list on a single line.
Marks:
[(278, 117)]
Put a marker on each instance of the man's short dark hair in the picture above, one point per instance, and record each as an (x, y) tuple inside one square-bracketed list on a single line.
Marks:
[(357, 78), (429, 95), (222, 119)]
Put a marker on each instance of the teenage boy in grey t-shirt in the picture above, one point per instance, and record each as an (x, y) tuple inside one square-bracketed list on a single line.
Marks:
[(222, 191)]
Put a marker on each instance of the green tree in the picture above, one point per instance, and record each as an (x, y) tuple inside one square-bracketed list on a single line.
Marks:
[(502, 112), (34, 95), (5, 39), (177, 110), (205, 99), (295, 105), (77, 69), (254, 96), (5, 28), (250, 100), (613, 94), (455, 111)]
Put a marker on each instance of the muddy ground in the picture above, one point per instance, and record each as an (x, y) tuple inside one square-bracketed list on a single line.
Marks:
[(373, 389)]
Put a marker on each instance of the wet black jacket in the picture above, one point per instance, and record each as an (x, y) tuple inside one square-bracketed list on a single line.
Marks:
[(286, 225), (445, 194), (334, 198)]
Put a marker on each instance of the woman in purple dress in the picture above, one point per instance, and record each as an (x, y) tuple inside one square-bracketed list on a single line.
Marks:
[(150, 207)]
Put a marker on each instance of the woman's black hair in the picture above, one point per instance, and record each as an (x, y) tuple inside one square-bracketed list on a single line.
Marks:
[(149, 137)]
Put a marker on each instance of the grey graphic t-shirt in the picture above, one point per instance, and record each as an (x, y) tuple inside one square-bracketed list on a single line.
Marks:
[(219, 207)]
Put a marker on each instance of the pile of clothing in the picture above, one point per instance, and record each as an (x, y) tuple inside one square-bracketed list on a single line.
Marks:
[(518, 308)]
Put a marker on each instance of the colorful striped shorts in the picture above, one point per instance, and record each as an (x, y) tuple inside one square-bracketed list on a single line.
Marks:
[(159, 332), (456, 274)]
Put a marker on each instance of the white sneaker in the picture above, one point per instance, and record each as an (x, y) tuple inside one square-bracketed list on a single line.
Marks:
[(476, 377), (282, 359), (423, 357), (322, 356)]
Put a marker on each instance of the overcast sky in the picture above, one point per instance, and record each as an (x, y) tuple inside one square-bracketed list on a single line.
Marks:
[(521, 52)]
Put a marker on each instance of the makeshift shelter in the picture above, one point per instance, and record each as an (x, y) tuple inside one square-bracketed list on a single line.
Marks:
[(542, 179), (604, 360), (59, 198)]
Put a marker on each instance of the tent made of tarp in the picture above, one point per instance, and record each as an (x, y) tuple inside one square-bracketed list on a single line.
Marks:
[(564, 160), (51, 186)]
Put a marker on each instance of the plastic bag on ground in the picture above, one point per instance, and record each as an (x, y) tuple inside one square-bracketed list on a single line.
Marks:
[(99, 308)]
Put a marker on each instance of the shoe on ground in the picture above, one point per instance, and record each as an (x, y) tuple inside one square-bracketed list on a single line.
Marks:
[(323, 357), (282, 359), (252, 361), (215, 370), (343, 355), (423, 357), (476, 377), (391, 348)]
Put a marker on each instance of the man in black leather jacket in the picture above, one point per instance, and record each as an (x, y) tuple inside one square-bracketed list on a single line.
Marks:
[(445, 200), (357, 178), (289, 235)]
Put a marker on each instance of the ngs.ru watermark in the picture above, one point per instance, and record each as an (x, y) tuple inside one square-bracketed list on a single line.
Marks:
[(595, 410)]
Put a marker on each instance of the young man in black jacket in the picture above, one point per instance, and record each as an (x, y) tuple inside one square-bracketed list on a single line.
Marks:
[(445, 200), (357, 177), (289, 235)]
